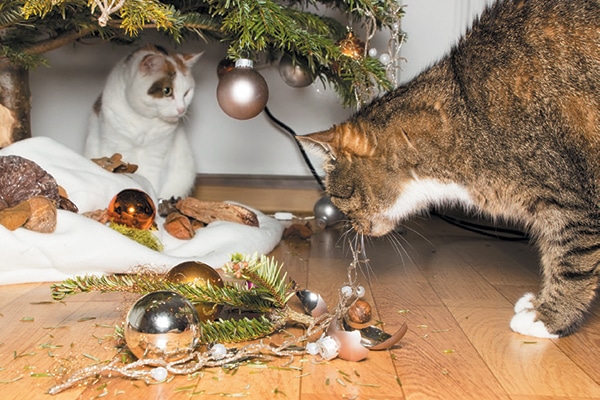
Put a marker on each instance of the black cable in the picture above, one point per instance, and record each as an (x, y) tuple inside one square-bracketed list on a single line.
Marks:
[(291, 132), (491, 231)]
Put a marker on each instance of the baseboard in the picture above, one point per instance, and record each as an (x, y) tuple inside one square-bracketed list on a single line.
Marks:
[(267, 193)]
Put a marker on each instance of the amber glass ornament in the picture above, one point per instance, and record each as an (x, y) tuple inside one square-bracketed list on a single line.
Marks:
[(352, 46), (198, 273), (133, 208)]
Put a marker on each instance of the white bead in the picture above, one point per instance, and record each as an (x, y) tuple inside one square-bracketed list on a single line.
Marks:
[(346, 291), (159, 374), (312, 349), (385, 58), (218, 351), (373, 52), (360, 291)]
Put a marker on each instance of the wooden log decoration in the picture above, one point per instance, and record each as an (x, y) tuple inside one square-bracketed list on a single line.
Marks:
[(210, 211)]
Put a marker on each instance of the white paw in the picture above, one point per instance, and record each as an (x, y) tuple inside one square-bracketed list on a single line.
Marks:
[(524, 321), (524, 303)]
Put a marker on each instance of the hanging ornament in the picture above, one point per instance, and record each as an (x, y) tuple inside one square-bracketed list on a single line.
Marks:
[(352, 46), (294, 71), (225, 65), (198, 274), (326, 214), (162, 324), (132, 208), (242, 93)]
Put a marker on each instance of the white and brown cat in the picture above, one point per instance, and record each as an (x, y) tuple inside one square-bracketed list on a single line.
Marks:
[(506, 124), (139, 115)]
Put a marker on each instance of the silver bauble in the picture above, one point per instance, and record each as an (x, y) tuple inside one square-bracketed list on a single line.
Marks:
[(163, 325), (242, 93), (327, 214), (294, 72)]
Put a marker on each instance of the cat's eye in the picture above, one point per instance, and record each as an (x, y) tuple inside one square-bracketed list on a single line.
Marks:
[(167, 91)]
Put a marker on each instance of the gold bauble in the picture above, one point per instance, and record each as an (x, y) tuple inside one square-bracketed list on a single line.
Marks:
[(352, 46), (132, 208), (198, 273)]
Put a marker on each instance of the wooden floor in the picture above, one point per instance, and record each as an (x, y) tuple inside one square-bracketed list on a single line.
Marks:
[(455, 289)]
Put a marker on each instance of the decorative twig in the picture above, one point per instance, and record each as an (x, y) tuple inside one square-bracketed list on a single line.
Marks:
[(106, 9)]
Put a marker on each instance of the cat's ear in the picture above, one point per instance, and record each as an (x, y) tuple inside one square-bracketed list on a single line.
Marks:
[(191, 59), (152, 63), (342, 140)]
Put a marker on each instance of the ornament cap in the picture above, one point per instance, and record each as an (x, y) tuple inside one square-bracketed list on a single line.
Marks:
[(244, 63)]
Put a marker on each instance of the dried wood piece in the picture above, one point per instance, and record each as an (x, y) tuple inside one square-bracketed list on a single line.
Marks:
[(43, 215), (179, 226), (98, 215), (115, 164), (210, 211), (15, 217)]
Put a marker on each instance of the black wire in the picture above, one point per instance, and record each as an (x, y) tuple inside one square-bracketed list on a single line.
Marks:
[(491, 231), (293, 134)]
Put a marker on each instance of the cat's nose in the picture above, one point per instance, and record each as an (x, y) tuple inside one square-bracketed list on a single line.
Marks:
[(180, 110)]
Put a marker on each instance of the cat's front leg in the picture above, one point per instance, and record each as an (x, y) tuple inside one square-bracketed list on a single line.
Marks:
[(566, 295)]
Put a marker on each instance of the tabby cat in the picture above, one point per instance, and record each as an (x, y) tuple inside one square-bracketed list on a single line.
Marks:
[(507, 124), (139, 116)]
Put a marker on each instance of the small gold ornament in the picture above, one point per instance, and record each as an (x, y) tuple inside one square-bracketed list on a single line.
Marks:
[(198, 273), (352, 46), (133, 208)]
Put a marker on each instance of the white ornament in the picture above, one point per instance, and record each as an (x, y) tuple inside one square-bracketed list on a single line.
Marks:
[(346, 291), (218, 351), (328, 347), (159, 374), (360, 291), (312, 349), (385, 58), (373, 52)]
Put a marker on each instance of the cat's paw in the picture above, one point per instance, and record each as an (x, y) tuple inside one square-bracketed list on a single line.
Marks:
[(525, 319)]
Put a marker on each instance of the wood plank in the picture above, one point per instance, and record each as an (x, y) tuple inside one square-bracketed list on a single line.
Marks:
[(538, 367)]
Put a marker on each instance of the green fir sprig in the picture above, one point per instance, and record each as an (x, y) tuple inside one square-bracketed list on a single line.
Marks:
[(250, 28), (262, 291)]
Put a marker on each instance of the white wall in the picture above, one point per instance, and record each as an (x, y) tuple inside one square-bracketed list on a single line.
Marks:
[(64, 93)]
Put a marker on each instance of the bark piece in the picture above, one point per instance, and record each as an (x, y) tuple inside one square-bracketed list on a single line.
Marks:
[(21, 179), (179, 226), (210, 211)]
